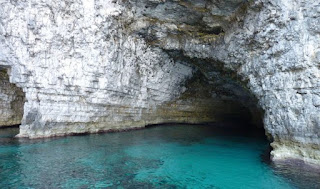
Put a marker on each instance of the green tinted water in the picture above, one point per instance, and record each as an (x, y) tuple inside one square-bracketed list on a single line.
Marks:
[(157, 157)]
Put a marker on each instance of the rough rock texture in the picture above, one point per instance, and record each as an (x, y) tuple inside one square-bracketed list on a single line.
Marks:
[(280, 59), (11, 101), (88, 66), (83, 77), (83, 71)]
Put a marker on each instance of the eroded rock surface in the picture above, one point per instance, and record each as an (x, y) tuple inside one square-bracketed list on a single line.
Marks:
[(89, 66)]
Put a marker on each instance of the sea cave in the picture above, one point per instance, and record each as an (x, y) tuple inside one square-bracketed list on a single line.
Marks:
[(159, 94)]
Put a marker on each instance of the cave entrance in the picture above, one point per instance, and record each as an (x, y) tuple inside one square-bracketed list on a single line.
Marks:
[(223, 101), (213, 94), (11, 101), (220, 102), (215, 97)]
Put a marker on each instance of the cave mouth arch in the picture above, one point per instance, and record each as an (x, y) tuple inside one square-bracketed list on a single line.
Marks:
[(212, 97), (188, 33), (12, 100), (215, 93)]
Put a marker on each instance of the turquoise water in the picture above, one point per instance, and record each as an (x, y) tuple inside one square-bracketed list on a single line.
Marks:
[(158, 157)]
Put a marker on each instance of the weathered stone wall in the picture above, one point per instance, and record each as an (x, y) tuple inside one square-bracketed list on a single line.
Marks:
[(11, 101), (79, 76), (280, 43)]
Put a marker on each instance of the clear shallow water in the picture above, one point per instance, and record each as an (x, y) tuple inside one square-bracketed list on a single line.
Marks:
[(157, 157)]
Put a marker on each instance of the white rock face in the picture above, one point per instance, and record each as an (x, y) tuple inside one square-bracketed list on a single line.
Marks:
[(279, 43), (78, 67), (89, 66)]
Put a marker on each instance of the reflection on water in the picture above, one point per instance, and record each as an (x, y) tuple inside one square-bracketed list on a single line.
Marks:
[(175, 156)]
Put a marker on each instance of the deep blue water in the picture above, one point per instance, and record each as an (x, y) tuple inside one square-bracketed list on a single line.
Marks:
[(175, 156)]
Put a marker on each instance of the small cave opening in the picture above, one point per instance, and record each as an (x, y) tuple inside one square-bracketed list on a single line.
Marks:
[(12, 100), (216, 30)]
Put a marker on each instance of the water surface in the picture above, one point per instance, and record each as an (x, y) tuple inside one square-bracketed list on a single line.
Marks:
[(175, 156)]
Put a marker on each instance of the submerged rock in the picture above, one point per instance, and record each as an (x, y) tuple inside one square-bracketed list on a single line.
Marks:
[(90, 66)]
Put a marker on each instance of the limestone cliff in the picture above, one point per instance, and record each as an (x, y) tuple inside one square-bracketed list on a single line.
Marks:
[(96, 65)]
